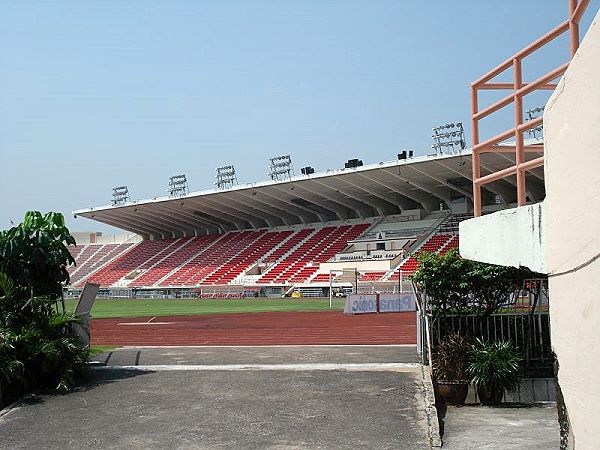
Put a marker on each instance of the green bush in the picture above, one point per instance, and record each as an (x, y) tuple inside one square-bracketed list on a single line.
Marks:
[(37, 347), (494, 365), (451, 359), (11, 368), (457, 285), (35, 255)]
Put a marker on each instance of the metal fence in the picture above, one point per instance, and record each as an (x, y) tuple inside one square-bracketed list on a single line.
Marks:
[(529, 333), (525, 322)]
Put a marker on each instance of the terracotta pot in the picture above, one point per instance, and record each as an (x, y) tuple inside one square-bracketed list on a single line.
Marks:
[(490, 395), (453, 392)]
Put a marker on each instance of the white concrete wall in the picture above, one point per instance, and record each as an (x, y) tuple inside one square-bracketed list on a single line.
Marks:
[(512, 237), (569, 229), (118, 238), (86, 237), (358, 265), (403, 226), (572, 168), (83, 237), (371, 244)]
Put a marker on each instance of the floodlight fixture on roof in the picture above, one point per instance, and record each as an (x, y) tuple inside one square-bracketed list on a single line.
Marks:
[(120, 195), (449, 136), (178, 185), (225, 177), (534, 113), (280, 168)]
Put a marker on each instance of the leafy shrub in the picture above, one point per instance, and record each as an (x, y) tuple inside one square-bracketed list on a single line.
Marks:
[(451, 359), (11, 368), (494, 365), (457, 285), (37, 347), (35, 255)]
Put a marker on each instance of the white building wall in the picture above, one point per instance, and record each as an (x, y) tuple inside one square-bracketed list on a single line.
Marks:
[(370, 265), (572, 171), (92, 237), (511, 237), (565, 242)]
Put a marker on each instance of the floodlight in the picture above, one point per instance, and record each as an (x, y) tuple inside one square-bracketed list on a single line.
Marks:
[(120, 195), (177, 185), (225, 177), (280, 168), (450, 135), (534, 113)]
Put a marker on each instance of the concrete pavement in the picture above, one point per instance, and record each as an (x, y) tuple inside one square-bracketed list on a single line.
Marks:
[(233, 408), (504, 427), (128, 356)]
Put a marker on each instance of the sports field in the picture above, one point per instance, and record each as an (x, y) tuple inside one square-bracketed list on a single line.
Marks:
[(284, 321), (114, 308), (251, 329)]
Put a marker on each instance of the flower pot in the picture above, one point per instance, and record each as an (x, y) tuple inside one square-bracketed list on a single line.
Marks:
[(490, 395), (453, 392)]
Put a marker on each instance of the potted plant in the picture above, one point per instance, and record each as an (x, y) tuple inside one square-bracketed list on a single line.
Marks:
[(494, 369), (450, 368)]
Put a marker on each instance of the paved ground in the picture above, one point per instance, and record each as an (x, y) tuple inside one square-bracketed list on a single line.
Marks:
[(531, 427), (217, 355), (273, 328), (319, 397)]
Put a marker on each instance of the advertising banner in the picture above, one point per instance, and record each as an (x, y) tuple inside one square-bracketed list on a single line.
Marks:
[(397, 302), (361, 304)]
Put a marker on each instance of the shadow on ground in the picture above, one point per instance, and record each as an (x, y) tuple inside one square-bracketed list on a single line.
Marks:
[(505, 426)]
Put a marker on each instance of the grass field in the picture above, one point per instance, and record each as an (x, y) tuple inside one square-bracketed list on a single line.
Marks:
[(109, 308)]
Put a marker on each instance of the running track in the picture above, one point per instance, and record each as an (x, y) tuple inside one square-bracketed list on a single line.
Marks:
[(274, 328)]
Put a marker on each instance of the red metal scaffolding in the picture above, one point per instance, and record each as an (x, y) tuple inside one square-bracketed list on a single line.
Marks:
[(519, 90)]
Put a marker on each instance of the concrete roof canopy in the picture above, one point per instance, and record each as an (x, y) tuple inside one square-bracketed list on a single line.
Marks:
[(372, 190)]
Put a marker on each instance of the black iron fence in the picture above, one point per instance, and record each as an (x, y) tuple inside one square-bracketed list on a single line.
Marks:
[(528, 332), (525, 322)]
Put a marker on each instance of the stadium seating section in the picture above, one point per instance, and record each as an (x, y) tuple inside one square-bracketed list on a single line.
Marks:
[(288, 256)]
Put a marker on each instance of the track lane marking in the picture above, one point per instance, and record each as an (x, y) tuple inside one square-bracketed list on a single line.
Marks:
[(304, 346), (348, 367), (145, 323)]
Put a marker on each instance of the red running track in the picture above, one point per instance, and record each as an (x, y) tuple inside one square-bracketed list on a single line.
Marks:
[(273, 328)]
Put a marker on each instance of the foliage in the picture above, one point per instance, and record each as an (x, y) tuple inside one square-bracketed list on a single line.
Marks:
[(37, 347), (39, 351), (11, 369), (451, 359), (19, 310), (443, 277), (35, 255), (50, 354), (494, 365), (460, 285)]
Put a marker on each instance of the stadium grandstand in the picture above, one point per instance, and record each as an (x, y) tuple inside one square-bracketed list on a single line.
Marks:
[(357, 228)]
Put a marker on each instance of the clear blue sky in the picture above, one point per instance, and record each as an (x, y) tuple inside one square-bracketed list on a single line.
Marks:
[(98, 94)]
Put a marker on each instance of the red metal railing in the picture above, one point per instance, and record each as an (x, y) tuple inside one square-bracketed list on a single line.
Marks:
[(519, 90)]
